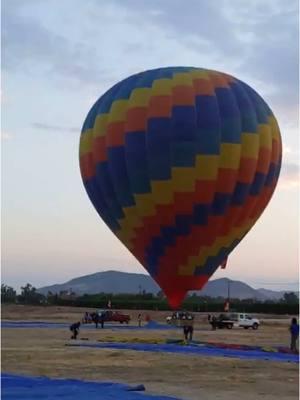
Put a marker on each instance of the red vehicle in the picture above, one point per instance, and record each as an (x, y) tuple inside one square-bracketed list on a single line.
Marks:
[(115, 316), (109, 316)]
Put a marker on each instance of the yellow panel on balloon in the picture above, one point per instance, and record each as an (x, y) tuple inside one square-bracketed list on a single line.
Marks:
[(182, 79), (207, 167), (100, 125), (139, 97), (144, 204), (161, 87), (230, 155), (118, 111), (250, 145), (162, 192), (86, 142), (275, 128), (183, 179), (265, 136)]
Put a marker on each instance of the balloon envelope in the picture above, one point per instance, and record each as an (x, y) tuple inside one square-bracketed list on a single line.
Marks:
[(180, 162)]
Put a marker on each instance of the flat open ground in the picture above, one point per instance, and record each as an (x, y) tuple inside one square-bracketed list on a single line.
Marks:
[(43, 352)]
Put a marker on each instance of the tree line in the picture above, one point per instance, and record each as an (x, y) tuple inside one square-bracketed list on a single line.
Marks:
[(288, 304)]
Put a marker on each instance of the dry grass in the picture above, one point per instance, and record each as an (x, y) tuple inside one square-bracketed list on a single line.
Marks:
[(43, 352)]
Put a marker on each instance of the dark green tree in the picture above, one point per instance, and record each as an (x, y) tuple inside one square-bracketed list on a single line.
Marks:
[(290, 298), (8, 294), (29, 295)]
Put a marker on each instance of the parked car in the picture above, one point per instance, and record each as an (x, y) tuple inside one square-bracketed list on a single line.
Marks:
[(114, 316), (230, 320)]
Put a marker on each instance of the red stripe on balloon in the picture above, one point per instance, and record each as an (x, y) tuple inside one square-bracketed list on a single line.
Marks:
[(203, 87), (264, 159), (115, 134), (247, 170), (136, 119), (87, 166), (99, 149), (159, 106), (183, 95)]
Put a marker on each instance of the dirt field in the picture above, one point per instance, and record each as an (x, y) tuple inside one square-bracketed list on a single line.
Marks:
[(43, 352)]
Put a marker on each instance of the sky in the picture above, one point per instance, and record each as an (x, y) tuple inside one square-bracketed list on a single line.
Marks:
[(59, 56)]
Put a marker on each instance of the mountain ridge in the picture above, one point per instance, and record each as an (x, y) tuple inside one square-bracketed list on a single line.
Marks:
[(114, 282)]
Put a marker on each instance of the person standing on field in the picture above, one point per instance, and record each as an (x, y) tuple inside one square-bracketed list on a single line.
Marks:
[(294, 330)]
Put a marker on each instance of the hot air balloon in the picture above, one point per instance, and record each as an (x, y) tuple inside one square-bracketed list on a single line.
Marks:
[(180, 163)]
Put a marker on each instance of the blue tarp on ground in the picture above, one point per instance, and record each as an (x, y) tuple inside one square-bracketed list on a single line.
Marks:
[(16, 387), (41, 324), (198, 350)]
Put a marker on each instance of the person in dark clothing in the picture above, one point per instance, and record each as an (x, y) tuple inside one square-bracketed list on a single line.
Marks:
[(294, 330), (102, 319), (74, 328), (188, 331), (97, 320), (213, 322)]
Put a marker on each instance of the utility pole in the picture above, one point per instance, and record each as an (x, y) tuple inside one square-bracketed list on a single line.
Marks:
[(227, 303), (228, 290)]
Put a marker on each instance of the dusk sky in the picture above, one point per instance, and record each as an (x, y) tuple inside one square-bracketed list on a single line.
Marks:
[(59, 56)]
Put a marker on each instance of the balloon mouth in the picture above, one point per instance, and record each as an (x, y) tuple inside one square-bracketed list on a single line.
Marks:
[(175, 298), (176, 289)]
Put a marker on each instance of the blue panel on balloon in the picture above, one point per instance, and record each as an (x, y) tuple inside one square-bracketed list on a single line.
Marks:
[(208, 141), (158, 148), (220, 203), (247, 110), (183, 154), (240, 193), (183, 224), (169, 235), (117, 168), (201, 213), (227, 103), (270, 175), (257, 184), (208, 116), (183, 123), (104, 182)]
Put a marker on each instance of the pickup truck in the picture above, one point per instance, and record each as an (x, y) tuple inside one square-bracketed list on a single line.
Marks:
[(114, 316), (230, 320), (108, 316)]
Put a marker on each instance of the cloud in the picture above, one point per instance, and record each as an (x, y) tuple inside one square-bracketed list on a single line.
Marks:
[(273, 53), (6, 135), (32, 48), (256, 40), (57, 128), (289, 176), (199, 25)]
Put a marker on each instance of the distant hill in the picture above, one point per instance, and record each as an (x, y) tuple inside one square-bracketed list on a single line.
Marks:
[(106, 282), (124, 282), (272, 294), (238, 290)]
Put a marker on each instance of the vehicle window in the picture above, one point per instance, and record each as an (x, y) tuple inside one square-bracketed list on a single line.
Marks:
[(248, 317)]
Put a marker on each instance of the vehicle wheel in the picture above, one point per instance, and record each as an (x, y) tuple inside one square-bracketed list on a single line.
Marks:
[(229, 326), (246, 327), (255, 326)]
